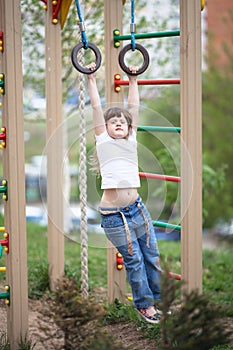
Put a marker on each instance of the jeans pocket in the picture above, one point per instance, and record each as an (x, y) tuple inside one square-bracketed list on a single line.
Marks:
[(116, 235), (111, 220)]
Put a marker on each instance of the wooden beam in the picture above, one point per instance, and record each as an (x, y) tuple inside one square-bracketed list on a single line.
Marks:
[(191, 144), (54, 148), (113, 20), (13, 171)]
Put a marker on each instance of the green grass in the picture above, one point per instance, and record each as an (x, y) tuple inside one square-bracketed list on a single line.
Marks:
[(217, 273), (217, 267), (38, 261), (218, 277), (97, 259), (97, 263)]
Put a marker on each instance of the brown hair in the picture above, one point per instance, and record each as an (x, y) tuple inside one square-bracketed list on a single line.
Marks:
[(117, 112)]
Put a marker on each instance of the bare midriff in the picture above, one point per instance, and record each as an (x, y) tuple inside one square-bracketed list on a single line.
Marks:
[(118, 197)]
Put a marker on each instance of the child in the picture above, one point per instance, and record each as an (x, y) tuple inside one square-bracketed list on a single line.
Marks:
[(125, 219)]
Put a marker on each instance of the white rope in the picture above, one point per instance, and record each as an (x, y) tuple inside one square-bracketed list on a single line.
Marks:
[(83, 183)]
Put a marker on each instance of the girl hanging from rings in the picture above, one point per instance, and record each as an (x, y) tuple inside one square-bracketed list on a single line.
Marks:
[(125, 218)]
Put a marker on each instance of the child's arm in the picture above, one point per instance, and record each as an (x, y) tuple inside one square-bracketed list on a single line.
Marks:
[(98, 118), (133, 97)]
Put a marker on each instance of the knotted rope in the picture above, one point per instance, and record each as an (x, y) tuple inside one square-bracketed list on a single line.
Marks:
[(83, 184)]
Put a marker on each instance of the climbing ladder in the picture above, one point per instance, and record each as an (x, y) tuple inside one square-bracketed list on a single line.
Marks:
[(190, 134), (12, 187)]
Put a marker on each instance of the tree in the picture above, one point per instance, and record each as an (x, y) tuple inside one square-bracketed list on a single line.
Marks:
[(217, 87), (217, 129), (33, 36)]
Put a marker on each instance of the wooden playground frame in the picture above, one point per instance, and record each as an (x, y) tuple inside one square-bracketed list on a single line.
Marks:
[(13, 154)]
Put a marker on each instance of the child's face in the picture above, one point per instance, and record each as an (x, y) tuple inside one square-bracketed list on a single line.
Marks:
[(117, 127)]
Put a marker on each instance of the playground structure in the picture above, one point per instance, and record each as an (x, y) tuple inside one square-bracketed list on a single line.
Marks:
[(12, 137)]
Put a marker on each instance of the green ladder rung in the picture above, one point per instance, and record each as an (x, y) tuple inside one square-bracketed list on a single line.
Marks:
[(166, 225), (146, 35), (159, 128)]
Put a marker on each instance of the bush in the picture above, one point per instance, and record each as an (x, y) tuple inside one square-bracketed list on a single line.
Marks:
[(79, 318), (197, 324)]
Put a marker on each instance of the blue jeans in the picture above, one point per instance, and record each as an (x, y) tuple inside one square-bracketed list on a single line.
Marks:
[(142, 265)]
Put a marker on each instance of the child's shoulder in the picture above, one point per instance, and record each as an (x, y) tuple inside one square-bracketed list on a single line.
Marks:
[(133, 135), (102, 137)]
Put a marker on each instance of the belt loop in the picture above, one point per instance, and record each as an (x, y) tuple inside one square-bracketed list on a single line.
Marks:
[(146, 224)]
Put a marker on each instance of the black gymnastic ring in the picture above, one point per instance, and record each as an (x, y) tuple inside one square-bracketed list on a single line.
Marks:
[(80, 68), (144, 53)]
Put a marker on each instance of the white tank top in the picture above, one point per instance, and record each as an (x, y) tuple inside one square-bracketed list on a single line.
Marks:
[(118, 159)]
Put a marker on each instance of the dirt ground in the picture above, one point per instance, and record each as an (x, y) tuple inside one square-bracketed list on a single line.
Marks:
[(52, 338)]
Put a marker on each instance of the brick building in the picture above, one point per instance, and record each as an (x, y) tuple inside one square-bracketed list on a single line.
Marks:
[(219, 25)]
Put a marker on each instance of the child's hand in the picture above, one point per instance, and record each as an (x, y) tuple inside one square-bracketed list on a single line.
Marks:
[(92, 67), (133, 69)]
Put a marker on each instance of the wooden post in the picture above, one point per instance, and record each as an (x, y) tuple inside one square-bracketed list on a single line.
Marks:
[(113, 20), (54, 148), (13, 172), (191, 144)]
